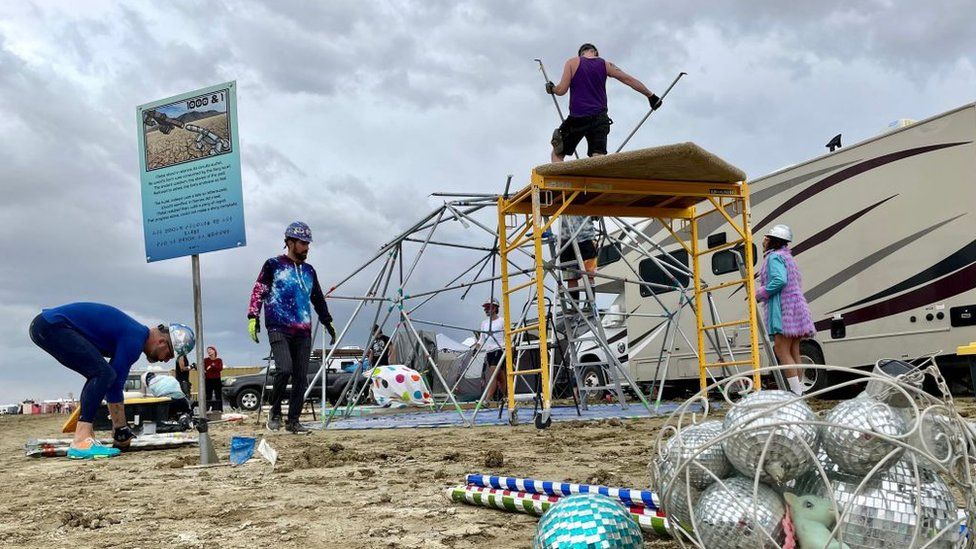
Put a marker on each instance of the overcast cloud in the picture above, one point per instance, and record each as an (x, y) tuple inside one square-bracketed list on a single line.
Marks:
[(352, 113)]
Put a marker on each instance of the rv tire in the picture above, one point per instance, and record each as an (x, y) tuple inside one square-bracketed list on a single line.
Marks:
[(592, 375), (814, 379)]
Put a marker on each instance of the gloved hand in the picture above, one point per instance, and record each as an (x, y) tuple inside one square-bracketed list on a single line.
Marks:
[(253, 327), (122, 437), (331, 329), (655, 101), (550, 88)]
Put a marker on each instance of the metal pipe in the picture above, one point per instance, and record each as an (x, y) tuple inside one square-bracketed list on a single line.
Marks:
[(641, 123)]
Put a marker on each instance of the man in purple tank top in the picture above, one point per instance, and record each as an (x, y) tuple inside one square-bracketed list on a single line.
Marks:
[(585, 78)]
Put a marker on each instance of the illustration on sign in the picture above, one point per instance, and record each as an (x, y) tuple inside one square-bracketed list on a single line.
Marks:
[(191, 173)]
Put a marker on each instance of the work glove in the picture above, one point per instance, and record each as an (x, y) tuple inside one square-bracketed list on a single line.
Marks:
[(655, 101), (331, 329), (550, 88), (253, 327), (122, 436)]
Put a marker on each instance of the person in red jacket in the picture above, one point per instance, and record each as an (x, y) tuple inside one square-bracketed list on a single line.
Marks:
[(212, 367)]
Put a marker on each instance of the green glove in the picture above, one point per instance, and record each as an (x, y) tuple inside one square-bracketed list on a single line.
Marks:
[(253, 327), (331, 329)]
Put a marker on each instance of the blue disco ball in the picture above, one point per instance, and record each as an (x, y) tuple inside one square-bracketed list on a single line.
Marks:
[(585, 521)]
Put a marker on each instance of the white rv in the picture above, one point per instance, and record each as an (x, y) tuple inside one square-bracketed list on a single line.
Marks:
[(885, 237)]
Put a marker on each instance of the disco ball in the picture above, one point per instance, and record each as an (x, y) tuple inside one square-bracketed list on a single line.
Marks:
[(892, 504), (675, 503), (851, 439), (585, 521), (780, 419), (728, 516), (929, 434), (680, 454)]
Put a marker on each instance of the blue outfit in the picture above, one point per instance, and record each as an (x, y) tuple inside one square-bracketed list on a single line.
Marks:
[(80, 336), (776, 274), (286, 289)]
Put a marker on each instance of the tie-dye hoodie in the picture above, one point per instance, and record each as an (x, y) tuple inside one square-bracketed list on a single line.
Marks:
[(286, 289)]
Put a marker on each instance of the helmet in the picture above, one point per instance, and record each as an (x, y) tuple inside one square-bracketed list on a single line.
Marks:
[(299, 231), (781, 232), (491, 301), (182, 339)]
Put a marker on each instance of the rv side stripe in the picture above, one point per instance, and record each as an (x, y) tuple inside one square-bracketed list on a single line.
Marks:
[(845, 174), (958, 260), (958, 282), (830, 231)]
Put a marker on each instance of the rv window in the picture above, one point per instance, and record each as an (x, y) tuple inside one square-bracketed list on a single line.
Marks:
[(716, 240), (650, 272), (724, 262), (608, 254)]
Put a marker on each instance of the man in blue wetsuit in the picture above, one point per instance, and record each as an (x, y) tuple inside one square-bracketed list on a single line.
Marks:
[(286, 286), (80, 336)]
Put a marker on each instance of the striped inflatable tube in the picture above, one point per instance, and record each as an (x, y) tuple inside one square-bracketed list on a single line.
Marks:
[(538, 504), (627, 496)]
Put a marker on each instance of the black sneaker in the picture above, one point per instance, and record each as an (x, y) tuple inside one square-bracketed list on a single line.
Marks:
[(274, 423), (296, 428)]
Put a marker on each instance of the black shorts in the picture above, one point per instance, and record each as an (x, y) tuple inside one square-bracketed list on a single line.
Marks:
[(595, 128), (587, 250)]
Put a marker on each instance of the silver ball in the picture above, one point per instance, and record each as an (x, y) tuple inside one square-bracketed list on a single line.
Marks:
[(675, 502), (885, 512), (928, 435), (777, 417), (849, 440), (728, 517), (681, 447)]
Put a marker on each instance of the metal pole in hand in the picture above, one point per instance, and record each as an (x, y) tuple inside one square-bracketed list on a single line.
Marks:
[(641, 123), (207, 454), (554, 102)]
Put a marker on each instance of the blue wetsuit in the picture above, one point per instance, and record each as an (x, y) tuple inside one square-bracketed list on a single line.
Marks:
[(80, 336)]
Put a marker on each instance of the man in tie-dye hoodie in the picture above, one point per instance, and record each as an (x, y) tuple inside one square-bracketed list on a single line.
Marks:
[(286, 287)]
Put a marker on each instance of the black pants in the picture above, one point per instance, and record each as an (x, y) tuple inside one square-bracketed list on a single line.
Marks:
[(214, 398), (291, 355)]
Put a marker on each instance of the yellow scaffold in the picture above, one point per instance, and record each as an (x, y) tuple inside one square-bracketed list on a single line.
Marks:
[(677, 185)]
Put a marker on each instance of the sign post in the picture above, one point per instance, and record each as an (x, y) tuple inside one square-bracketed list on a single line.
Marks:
[(192, 199)]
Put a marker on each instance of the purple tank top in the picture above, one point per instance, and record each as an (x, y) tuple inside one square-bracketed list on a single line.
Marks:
[(588, 88)]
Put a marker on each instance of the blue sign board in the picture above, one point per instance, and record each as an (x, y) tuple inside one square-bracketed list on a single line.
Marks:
[(190, 172)]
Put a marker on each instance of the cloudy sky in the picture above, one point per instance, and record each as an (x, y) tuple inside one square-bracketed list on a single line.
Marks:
[(352, 113)]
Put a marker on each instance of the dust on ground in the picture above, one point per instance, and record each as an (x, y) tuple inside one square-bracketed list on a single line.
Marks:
[(355, 489)]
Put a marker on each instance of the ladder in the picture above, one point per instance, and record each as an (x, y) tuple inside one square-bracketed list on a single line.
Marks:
[(697, 252)]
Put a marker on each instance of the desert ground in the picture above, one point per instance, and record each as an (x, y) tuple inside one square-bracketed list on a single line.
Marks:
[(355, 489)]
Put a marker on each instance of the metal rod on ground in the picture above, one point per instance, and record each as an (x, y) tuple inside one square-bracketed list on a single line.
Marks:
[(641, 123), (207, 454), (554, 101)]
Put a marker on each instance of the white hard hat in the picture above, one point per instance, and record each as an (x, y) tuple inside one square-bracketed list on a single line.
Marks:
[(491, 301), (781, 232)]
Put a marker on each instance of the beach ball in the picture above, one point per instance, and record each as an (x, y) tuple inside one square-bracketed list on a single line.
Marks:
[(710, 456), (585, 521), (851, 440), (892, 504), (771, 421), (731, 515)]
